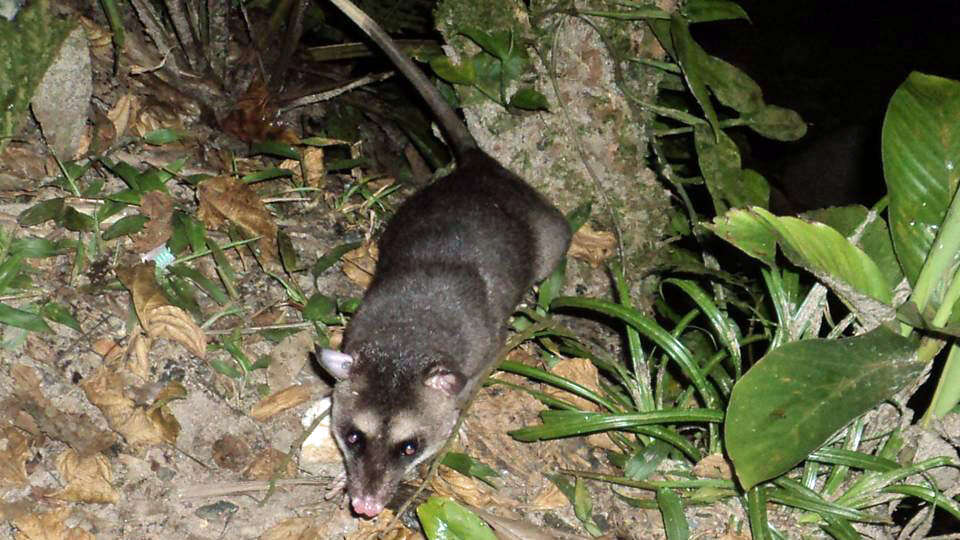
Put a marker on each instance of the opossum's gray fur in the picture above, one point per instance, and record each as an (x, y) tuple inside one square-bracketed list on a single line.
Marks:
[(454, 262)]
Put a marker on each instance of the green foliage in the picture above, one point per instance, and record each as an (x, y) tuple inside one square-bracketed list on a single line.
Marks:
[(444, 519), (28, 45), (500, 61)]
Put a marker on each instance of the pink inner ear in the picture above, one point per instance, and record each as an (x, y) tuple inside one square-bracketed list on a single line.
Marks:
[(336, 363), (446, 381)]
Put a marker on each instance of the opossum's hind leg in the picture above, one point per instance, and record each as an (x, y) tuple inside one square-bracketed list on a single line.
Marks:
[(552, 239)]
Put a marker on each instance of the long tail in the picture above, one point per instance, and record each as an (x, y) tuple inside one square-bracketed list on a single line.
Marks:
[(459, 138)]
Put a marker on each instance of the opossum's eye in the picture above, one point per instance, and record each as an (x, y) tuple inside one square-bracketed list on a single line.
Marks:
[(409, 448), (354, 439)]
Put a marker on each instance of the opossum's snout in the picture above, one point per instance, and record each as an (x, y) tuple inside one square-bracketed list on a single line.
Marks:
[(367, 505)]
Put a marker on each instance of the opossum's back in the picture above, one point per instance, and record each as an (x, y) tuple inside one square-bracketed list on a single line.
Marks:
[(483, 215)]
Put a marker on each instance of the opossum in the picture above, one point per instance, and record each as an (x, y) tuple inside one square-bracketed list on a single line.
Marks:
[(455, 260)]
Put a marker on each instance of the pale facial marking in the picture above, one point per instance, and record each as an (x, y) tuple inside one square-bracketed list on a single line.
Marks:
[(403, 425), (367, 422)]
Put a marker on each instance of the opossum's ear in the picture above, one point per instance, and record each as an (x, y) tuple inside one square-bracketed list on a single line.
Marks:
[(336, 363), (441, 378)]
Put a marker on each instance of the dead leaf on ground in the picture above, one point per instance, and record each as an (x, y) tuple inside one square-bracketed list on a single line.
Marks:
[(231, 452), (283, 400), (384, 527), (313, 163), (77, 431), (48, 526), (266, 463), (254, 117), (157, 206), (225, 198), (88, 480), (450, 483), (714, 466), (293, 529), (359, 264), (159, 318), (584, 373), (14, 453), (550, 498), (592, 246), (140, 427), (289, 358), (123, 110)]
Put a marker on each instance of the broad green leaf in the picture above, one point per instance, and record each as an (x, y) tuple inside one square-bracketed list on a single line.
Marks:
[(320, 307), (777, 123), (719, 160), (874, 240), (733, 87), (22, 319), (529, 99), (125, 225), (444, 519), (463, 73), (583, 507), (75, 220), (163, 136), (128, 173), (713, 10), (921, 149), (498, 44), (790, 402), (828, 255), (741, 228), (754, 190), (41, 212), (694, 62)]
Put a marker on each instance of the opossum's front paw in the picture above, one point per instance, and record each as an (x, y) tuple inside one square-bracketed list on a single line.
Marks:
[(338, 487)]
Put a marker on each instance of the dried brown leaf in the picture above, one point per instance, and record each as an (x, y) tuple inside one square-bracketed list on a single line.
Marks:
[(123, 110), (359, 264), (89, 479), (105, 390), (254, 117), (157, 206), (550, 498), (384, 527), (14, 453), (314, 165), (714, 466), (158, 317), (592, 246), (266, 464), (449, 483), (77, 431), (580, 371), (225, 198), (294, 529), (283, 400), (231, 452), (48, 526)]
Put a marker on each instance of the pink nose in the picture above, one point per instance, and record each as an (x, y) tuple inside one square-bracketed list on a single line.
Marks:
[(367, 505)]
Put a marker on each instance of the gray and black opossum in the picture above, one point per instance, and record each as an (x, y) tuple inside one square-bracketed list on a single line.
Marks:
[(455, 260)]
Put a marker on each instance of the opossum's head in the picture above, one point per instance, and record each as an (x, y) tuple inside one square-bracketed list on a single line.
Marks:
[(390, 413)]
